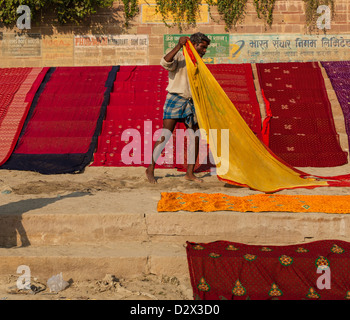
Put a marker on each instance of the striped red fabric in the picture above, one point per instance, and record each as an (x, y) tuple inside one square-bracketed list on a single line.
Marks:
[(17, 90), (62, 127)]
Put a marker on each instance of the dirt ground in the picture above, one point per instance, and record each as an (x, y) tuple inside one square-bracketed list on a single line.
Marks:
[(146, 287), (16, 185)]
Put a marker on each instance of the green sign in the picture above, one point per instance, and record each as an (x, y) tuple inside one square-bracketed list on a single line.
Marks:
[(219, 45)]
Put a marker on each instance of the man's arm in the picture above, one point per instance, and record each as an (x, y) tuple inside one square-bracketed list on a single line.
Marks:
[(170, 56)]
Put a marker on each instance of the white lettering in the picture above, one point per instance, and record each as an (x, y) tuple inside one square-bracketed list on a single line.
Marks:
[(324, 21), (24, 21), (23, 281), (324, 281)]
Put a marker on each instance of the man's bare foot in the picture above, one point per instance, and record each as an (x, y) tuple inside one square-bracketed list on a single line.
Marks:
[(192, 177), (150, 176)]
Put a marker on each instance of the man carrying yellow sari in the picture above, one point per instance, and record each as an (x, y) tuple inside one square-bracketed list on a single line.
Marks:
[(179, 104)]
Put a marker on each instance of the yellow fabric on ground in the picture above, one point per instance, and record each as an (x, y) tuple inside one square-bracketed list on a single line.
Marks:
[(244, 159), (176, 201)]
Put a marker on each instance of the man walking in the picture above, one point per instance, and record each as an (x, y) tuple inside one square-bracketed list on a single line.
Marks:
[(179, 104)]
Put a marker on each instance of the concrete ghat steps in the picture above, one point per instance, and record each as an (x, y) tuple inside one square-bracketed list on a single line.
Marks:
[(85, 262), (103, 228), (99, 237)]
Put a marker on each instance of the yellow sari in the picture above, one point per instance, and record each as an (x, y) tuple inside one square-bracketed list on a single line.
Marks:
[(244, 160)]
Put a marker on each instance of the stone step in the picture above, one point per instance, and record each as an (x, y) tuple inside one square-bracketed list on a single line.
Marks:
[(99, 224), (124, 260)]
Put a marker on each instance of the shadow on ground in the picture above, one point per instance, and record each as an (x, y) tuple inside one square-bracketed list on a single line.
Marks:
[(11, 218)]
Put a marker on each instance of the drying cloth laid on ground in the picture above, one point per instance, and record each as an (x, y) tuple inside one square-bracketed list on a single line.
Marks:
[(137, 103), (238, 83), (65, 119), (299, 123), (134, 118), (177, 201), (338, 73), (134, 121), (17, 90), (241, 158), (225, 270)]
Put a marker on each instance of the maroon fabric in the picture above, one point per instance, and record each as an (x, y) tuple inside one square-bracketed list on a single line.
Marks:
[(225, 270), (300, 120)]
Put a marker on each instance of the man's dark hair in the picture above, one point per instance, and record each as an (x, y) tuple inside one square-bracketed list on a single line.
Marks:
[(198, 37)]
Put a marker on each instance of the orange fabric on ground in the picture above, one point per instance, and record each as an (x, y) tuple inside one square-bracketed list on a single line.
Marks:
[(176, 201)]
